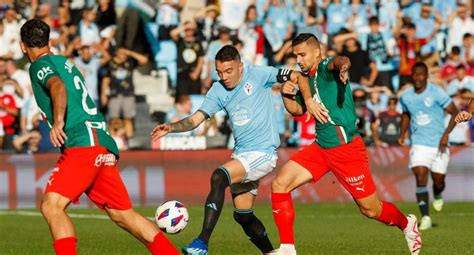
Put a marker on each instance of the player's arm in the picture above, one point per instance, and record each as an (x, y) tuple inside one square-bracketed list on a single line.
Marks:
[(340, 64), (183, 125), (404, 124), (466, 115), (453, 111), (58, 93), (301, 82), (291, 105), (142, 59)]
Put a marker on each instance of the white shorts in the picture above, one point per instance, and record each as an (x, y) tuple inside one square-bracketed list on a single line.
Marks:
[(430, 157), (257, 165)]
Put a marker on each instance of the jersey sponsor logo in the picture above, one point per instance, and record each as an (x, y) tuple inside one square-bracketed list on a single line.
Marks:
[(240, 116), (68, 66), (428, 102), (248, 88), (105, 159), (43, 72), (422, 119)]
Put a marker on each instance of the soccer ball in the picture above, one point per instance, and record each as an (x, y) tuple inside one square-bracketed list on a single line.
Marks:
[(172, 217)]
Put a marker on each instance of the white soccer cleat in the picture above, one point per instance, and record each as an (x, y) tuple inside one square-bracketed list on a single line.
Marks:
[(412, 235), (286, 249), (425, 223), (438, 204)]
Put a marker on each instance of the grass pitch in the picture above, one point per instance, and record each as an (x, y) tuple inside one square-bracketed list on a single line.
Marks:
[(320, 229)]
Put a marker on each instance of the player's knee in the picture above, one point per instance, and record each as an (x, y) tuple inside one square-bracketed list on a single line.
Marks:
[(50, 208), (219, 179), (118, 217), (243, 218), (279, 185)]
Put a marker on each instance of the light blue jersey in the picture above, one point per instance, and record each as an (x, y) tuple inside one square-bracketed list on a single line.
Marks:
[(426, 112), (250, 109)]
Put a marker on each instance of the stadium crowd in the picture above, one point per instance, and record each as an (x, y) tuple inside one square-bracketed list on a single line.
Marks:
[(110, 40)]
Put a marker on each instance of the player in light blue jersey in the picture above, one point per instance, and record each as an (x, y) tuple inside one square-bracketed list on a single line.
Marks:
[(423, 110), (244, 93)]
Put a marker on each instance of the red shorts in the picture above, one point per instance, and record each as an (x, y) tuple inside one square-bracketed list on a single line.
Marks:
[(348, 162), (91, 170)]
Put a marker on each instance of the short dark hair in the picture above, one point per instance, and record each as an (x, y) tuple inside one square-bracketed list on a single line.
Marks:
[(373, 20), (228, 53), (35, 33), (466, 36), (393, 99), (420, 65), (305, 37), (456, 50), (411, 25), (460, 66)]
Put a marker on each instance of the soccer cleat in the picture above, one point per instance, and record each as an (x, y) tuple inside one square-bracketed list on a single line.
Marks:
[(196, 247), (412, 235), (438, 204), (286, 249), (425, 223)]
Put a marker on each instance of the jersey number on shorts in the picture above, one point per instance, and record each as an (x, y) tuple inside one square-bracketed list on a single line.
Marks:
[(79, 84)]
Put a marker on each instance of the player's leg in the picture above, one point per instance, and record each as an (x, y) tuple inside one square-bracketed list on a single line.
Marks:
[(350, 165), (438, 174), (231, 172), (53, 208), (143, 229), (108, 192), (69, 179), (252, 226), (305, 166)]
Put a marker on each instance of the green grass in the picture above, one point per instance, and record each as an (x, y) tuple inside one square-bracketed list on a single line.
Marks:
[(320, 229)]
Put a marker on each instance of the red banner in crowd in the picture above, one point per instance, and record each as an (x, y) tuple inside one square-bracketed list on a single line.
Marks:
[(155, 176)]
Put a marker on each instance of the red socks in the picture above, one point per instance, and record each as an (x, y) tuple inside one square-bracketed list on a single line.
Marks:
[(65, 246), (390, 215), (161, 246), (284, 216)]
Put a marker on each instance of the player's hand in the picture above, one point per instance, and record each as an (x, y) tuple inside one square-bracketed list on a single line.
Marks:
[(344, 73), (401, 141), (289, 88), (159, 131), (463, 116), (317, 110), (443, 143), (57, 135)]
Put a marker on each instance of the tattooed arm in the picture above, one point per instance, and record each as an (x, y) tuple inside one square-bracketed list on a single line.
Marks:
[(183, 125)]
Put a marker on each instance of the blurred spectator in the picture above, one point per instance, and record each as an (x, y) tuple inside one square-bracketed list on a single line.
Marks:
[(207, 24), (11, 24), (377, 50), (252, 36), (106, 16), (388, 125), (462, 81), (359, 18), (461, 134), (21, 76), (460, 23), (453, 60), (426, 25), (387, 13), (8, 114), (233, 12), (214, 47), (117, 131), (88, 30), (410, 49), (168, 17), (182, 109), (378, 97), (190, 59), (338, 15), (309, 18), (89, 63), (29, 137), (363, 70), (366, 122), (467, 51), (278, 27), (118, 89)]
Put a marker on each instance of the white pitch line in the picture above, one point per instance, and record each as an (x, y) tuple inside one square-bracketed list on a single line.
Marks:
[(72, 215)]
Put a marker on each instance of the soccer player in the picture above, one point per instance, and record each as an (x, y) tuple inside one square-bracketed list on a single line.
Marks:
[(466, 115), (423, 111), (338, 147), (244, 93), (88, 153)]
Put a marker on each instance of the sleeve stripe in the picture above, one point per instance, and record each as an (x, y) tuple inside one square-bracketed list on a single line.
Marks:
[(206, 115)]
